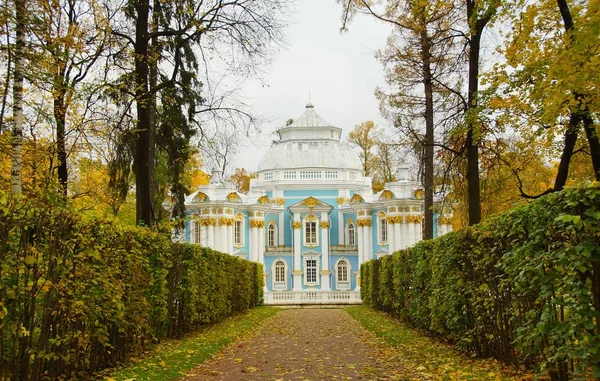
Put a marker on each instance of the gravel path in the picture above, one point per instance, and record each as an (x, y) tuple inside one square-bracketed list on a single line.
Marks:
[(306, 344)]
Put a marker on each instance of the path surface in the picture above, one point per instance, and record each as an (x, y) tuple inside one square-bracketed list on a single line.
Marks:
[(306, 344)]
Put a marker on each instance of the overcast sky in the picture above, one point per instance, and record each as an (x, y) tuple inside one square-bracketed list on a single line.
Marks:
[(339, 70)]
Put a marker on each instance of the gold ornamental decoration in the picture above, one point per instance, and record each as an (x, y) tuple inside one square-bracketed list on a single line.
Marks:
[(445, 220), (208, 221), (340, 200), (311, 202), (264, 200), (395, 219), (324, 224), (257, 223), (364, 222), (226, 221), (386, 195), (280, 201), (310, 217), (234, 197), (416, 219), (357, 199), (297, 224)]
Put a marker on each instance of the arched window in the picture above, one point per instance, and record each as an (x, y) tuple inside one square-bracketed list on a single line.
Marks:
[(279, 271), (342, 271), (350, 234), (342, 274), (272, 235)]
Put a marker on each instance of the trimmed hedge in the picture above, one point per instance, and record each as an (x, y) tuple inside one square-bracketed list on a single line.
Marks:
[(523, 286), (78, 295)]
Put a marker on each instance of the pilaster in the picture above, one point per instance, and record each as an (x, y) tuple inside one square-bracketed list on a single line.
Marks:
[(297, 272), (325, 272)]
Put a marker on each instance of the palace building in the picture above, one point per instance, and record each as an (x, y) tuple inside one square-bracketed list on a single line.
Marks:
[(310, 217)]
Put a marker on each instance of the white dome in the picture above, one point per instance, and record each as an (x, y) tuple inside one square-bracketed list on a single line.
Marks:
[(310, 142), (310, 154)]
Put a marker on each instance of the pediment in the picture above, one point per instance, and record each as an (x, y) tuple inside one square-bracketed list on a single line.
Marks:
[(311, 204)]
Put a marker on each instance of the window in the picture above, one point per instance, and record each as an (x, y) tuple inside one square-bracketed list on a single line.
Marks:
[(310, 233), (350, 235), (195, 233), (342, 274), (342, 271), (383, 230), (279, 271), (311, 271), (311, 262), (272, 235), (268, 176), (238, 233)]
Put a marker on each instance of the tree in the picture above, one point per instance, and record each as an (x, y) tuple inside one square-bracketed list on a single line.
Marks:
[(72, 36), (17, 131), (186, 32), (548, 84), (364, 136), (416, 58), (241, 178)]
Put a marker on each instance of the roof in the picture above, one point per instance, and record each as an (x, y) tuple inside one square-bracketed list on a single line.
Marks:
[(310, 118), (310, 142)]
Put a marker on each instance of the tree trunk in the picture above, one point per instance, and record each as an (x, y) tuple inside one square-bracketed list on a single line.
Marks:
[(472, 143), (60, 117), (580, 113), (143, 166), (6, 83), (428, 149), (567, 153), (592, 137), (17, 138)]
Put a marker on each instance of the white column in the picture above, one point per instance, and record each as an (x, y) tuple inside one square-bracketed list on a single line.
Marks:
[(211, 236), (391, 237), (297, 273), (341, 228), (411, 233), (203, 235), (229, 238), (369, 242), (260, 253), (281, 230), (253, 244), (418, 231), (221, 238), (398, 235), (325, 273), (361, 244)]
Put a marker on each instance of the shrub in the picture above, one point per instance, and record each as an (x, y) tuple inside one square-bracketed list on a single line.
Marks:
[(523, 286), (78, 295)]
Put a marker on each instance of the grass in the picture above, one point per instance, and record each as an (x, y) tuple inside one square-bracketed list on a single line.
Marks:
[(430, 357), (174, 358)]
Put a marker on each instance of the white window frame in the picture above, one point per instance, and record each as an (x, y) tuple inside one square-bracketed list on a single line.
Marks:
[(351, 235), (343, 284), (382, 230), (309, 220), (195, 232), (238, 239), (281, 285), (272, 228), (317, 261)]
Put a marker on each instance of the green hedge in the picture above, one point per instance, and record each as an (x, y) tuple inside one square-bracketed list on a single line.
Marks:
[(78, 295), (523, 286)]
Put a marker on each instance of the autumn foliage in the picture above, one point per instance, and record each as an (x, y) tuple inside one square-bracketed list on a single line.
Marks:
[(78, 295), (523, 287)]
